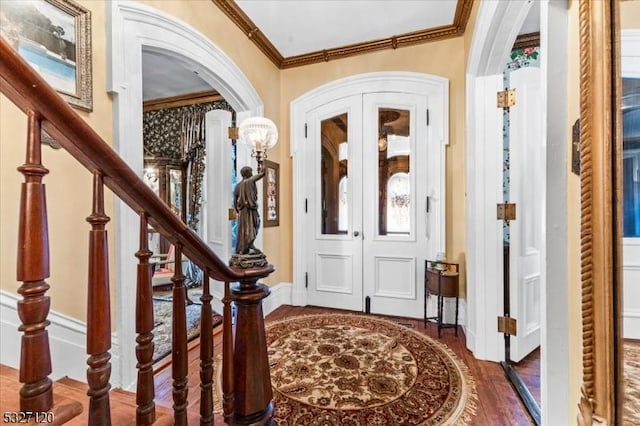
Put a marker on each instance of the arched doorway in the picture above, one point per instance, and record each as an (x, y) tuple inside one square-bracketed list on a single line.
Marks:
[(336, 126), (134, 26)]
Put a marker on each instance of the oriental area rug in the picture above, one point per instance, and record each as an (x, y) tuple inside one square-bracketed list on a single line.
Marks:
[(349, 370), (163, 321)]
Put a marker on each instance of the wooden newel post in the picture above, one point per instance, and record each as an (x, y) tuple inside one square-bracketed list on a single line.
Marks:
[(252, 382)]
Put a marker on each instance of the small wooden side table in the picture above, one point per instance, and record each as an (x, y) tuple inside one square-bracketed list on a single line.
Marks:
[(440, 279)]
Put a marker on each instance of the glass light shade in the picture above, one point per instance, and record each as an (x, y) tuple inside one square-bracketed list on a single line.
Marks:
[(259, 133)]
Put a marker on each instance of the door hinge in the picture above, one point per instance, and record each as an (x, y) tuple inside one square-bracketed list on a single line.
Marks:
[(305, 130), (507, 325), (507, 98), (507, 211), (306, 204), (232, 214), (427, 117), (306, 280), (234, 133)]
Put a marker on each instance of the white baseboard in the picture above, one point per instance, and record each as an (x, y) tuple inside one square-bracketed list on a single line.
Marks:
[(449, 307), (280, 295), (631, 324), (299, 296), (67, 342)]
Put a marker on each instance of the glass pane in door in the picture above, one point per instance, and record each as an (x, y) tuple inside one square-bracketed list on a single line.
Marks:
[(334, 218), (394, 184)]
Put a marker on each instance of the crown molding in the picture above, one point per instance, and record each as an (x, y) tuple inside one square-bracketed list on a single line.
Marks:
[(527, 40), (249, 28), (246, 25), (181, 100)]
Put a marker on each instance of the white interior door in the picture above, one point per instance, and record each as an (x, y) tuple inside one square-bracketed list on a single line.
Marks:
[(369, 171), (334, 204), (527, 190), (217, 199), (396, 221)]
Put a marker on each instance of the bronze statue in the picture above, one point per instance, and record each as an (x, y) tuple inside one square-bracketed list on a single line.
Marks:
[(245, 201)]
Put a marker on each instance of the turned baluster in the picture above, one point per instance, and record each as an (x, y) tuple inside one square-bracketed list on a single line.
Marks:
[(179, 342), (227, 355), (32, 269), (145, 393), (98, 311), (206, 353)]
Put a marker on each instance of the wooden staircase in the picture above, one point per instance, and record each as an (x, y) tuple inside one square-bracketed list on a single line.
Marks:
[(71, 405), (246, 385)]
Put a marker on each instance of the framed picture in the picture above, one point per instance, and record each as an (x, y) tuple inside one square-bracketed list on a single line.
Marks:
[(54, 37), (271, 191)]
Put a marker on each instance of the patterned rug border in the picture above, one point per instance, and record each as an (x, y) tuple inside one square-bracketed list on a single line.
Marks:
[(468, 403)]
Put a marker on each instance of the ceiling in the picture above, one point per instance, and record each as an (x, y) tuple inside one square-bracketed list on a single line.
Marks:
[(297, 27), (298, 32)]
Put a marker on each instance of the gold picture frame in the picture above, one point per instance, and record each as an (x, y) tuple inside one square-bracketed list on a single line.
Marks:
[(601, 225), (271, 191), (59, 47)]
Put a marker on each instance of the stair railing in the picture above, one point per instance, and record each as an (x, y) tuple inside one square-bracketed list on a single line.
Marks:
[(47, 111)]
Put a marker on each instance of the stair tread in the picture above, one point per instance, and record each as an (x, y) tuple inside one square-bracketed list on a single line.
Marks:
[(64, 410), (123, 405), (71, 403)]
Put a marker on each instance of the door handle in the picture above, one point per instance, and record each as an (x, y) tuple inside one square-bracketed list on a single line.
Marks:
[(356, 233)]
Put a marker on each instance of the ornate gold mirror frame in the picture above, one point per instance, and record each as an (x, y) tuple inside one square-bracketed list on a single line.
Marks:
[(601, 230)]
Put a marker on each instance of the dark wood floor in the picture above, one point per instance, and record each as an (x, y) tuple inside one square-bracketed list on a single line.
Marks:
[(498, 404), (529, 370)]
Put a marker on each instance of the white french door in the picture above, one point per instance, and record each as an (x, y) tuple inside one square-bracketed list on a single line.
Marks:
[(395, 202), (334, 204), (367, 222)]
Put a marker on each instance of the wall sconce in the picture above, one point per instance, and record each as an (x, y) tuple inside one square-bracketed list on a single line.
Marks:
[(261, 134)]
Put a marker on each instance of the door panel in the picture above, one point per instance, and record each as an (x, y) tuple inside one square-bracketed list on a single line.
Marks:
[(334, 204), (334, 272), (395, 158), (527, 185), (217, 200), (395, 277)]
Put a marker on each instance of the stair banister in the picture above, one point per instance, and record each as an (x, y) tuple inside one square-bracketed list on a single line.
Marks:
[(48, 111), (30, 92)]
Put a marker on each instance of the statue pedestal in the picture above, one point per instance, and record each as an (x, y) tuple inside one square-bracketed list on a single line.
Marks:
[(247, 261), (252, 382)]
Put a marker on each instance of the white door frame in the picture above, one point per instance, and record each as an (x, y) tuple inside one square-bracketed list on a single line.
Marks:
[(496, 28), (435, 87), (131, 27)]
